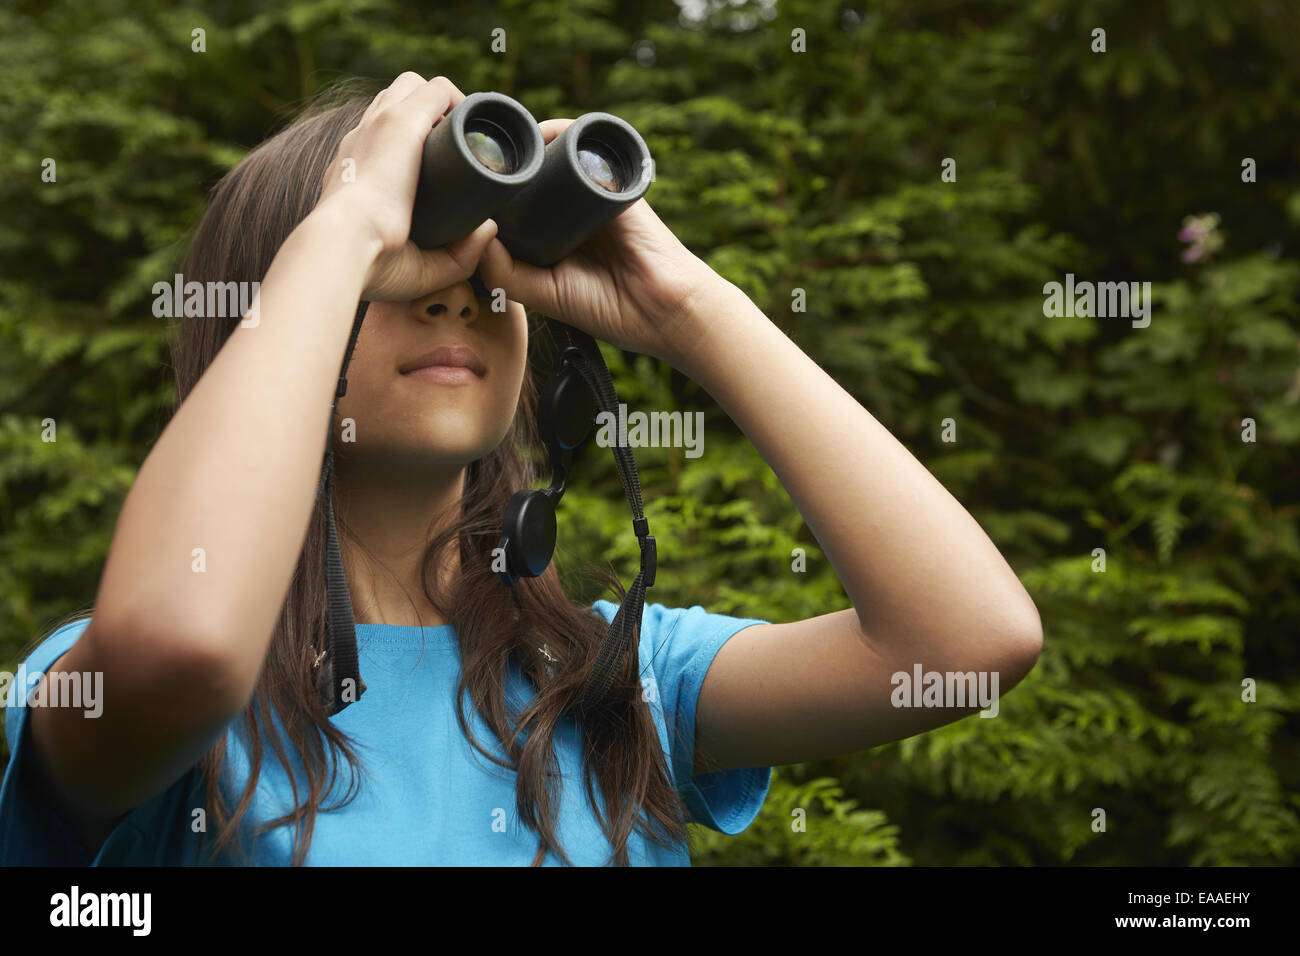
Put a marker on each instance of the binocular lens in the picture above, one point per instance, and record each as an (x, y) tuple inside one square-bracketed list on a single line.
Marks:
[(601, 165), (491, 146), (488, 159)]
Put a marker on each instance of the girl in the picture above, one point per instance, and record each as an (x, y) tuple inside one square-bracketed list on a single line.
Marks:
[(213, 746)]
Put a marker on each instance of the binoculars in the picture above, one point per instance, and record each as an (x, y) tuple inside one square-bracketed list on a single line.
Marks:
[(486, 159)]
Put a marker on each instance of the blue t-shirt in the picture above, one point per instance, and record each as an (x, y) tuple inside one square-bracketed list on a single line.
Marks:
[(429, 798)]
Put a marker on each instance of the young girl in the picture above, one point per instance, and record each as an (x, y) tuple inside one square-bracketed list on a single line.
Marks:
[(213, 745)]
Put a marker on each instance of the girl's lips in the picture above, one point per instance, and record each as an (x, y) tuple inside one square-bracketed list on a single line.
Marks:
[(444, 374), (448, 355)]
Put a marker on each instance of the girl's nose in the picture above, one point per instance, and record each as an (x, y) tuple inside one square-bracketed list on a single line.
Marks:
[(456, 300)]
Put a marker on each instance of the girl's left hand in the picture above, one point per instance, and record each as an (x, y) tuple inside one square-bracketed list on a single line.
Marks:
[(629, 284)]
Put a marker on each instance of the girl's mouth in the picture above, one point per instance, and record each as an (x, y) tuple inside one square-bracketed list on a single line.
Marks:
[(445, 374)]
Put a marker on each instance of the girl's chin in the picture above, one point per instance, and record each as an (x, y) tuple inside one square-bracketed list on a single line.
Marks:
[(438, 451)]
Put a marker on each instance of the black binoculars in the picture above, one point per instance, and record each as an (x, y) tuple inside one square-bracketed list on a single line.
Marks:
[(486, 159)]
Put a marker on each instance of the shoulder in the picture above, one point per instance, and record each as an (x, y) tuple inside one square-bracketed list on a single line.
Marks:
[(30, 830), (677, 647), (681, 641), (683, 624), (44, 655), (36, 828)]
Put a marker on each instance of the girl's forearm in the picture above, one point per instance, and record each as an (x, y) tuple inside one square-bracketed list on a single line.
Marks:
[(235, 471), (916, 566)]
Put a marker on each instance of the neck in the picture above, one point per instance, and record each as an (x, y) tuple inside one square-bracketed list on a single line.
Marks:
[(391, 514)]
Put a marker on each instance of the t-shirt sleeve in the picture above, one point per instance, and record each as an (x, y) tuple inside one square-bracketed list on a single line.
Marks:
[(32, 832), (678, 646)]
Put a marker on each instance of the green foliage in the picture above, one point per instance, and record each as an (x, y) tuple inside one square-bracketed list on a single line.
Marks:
[(804, 824), (817, 172)]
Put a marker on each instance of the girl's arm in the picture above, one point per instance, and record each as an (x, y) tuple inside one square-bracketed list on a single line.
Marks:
[(235, 473), (927, 585)]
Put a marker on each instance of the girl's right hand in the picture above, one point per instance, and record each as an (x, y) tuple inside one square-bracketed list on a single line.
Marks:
[(373, 176)]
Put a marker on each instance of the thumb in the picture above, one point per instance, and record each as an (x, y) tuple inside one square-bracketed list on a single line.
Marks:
[(465, 253), (527, 284), (445, 265)]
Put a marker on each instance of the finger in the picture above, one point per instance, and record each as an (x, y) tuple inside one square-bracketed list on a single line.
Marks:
[(456, 94), (522, 282), (438, 97), (386, 97), (401, 87), (457, 261), (394, 93), (371, 109), (552, 128), (374, 106), (424, 106)]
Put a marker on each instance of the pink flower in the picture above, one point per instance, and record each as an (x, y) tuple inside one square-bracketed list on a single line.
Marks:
[(1201, 233)]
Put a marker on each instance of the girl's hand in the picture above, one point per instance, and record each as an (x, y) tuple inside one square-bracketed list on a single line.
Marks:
[(628, 285), (374, 175)]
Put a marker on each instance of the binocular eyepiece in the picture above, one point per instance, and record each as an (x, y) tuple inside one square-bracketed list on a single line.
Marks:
[(486, 159)]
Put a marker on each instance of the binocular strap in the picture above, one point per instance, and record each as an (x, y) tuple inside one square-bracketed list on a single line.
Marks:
[(626, 626), (339, 676)]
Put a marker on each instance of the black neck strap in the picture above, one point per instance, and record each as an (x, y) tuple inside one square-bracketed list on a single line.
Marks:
[(339, 673), (625, 628)]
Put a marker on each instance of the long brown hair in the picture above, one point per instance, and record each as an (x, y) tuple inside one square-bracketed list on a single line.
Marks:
[(252, 211)]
